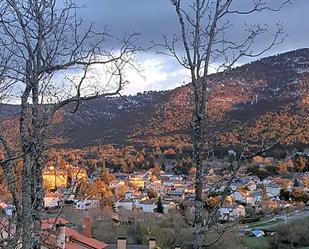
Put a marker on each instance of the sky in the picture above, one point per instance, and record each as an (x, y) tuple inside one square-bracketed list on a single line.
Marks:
[(154, 18)]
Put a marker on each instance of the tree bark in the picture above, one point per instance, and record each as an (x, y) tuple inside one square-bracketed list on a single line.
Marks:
[(40, 39), (198, 162), (198, 151)]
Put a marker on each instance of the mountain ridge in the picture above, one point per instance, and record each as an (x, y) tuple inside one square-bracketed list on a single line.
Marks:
[(242, 93)]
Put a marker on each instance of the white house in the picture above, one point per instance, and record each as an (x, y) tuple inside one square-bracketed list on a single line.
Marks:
[(267, 181), (86, 204), (147, 206), (240, 197), (128, 195), (128, 204), (52, 200), (116, 184), (253, 198), (273, 190), (252, 186), (231, 212), (168, 183)]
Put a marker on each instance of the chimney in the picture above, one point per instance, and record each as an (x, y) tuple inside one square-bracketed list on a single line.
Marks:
[(60, 230), (152, 243), (87, 226), (121, 243)]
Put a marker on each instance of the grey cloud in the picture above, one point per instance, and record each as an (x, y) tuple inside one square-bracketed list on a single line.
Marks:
[(156, 17), (152, 18)]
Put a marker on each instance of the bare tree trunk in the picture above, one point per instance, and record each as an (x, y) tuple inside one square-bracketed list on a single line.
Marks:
[(198, 162), (203, 24), (43, 40), (26, 190), (198, 141), (38, 191)]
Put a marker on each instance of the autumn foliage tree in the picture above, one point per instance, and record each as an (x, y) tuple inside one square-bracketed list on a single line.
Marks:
[(300, 163), (156, 170), (281, 167)]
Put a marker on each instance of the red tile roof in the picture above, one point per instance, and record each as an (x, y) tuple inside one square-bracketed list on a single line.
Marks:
[(74, 239), (75, 236)]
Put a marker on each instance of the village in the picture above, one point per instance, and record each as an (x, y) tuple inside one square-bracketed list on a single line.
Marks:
[(154, 124), (248, 200), (246, 195)]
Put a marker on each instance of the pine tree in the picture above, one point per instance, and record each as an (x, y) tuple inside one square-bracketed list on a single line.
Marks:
[(159, 208)]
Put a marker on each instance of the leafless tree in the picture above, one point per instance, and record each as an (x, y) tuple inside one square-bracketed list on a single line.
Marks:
[(49, 59), (202, 43)]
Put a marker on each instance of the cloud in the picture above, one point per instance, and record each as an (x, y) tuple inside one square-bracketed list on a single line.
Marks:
[(155, 73), (158, 73), (154, 18)]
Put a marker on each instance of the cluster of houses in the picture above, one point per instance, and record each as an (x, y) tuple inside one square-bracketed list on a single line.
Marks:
[(261, 194), (244, 190), (171, 188)]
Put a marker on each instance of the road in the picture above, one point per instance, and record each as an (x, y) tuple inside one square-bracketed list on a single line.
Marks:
[(296, 215), (276, 220)]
